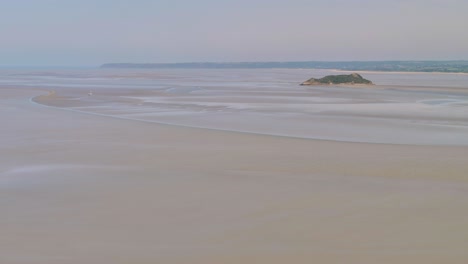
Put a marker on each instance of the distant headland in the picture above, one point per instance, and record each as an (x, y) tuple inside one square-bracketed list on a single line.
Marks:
[(338, 79), (459, 66)]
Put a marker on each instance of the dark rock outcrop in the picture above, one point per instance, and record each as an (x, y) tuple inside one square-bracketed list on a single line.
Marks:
[(338, 79)]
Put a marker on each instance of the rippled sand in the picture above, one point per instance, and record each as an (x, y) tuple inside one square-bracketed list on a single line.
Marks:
[(105, 188)]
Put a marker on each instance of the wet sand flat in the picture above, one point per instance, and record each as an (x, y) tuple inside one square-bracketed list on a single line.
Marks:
[(86, 188), (392, 114)]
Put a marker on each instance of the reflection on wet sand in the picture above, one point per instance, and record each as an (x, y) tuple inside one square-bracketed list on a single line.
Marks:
[(99, 179)]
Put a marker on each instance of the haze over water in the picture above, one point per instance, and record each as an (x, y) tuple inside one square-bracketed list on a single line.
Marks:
[(90, 33)]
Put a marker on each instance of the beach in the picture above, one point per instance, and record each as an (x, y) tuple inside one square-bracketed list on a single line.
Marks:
[(173, 167)]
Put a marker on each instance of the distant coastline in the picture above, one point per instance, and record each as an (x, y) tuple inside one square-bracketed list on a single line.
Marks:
[(399, 72), (459, 66)]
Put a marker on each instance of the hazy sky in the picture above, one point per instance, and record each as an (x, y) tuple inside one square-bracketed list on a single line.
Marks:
[(91, 32)]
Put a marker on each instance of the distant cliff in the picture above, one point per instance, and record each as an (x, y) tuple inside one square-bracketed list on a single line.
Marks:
[(338, 79)]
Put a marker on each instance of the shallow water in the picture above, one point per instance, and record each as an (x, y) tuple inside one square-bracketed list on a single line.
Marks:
[(414, 108)]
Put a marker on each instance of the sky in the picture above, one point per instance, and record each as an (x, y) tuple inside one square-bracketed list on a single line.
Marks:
[(93, 32)]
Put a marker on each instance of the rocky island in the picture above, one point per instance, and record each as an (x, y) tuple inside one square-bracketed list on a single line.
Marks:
[(338, 79)]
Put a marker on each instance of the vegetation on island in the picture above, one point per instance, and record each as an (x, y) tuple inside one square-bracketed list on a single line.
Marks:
[(338, 79)]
